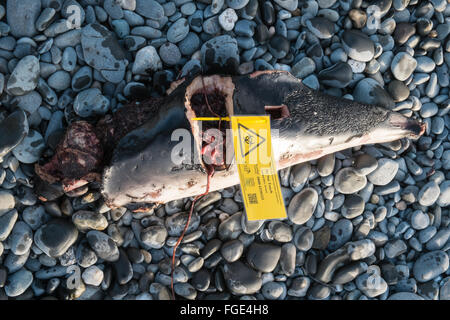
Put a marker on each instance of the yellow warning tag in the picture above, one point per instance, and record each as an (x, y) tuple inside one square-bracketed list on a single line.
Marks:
[(257, 172)]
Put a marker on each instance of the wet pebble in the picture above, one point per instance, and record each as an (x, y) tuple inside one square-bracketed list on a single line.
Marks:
[(302, 206), (430, 265), (348, 181), (55, 237), (358, 45), (384, 173), (403, 65)]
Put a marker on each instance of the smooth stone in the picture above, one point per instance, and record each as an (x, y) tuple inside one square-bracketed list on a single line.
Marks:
[(211, 26), (241, 279), (147, 60), (403, 31), (419, 220), (35, 216), (425, 64), (146, 32), (104, 247), (321, 27), (185, 290), (220, 53), (89, 220), (176, 223), (30, 149), (302, 206), (170, 53), (439, 240), (272, 290), (312, 82), (237, 4), (178, 31), (56, 237), (372, 285), (428, 194), (369, 91), (321, 238), (150, 9), (154, 236), (288, 259), (103, 52), (280, 231), (7, 202), (263, 257), (279, 46), (353, 206), (232, 250), (444, 196), (430, 265), (358, 45), (92, 276), (18, 282), (358, 18), (190, 44), (303, 238), (121, 28), (245, 28), (289, 5), (59, 81), (29, 102), (338, 75), (341, 233), (82, 79), (428, 110), (24, 77), (188, 9), (13, 130), (403, 65), (122, 268), (20, 238), (299, 287), (395, 248), (365, 164), (398, 90), (90, 102), (227, 19), (303, 68), (384, 173), (299, 175), (405, 296), (21, 16), (348, 181), (7, 220)]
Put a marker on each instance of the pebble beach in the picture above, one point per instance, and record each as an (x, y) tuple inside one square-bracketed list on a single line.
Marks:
[(367, 223)]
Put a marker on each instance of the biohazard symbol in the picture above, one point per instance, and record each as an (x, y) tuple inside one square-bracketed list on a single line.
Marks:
[(249, 140)]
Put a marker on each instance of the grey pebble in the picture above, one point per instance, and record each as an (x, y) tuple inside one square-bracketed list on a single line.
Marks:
[(7, 220), (25, 76), (348, 181), (170, 53), (302, 206), (90, 102), (430, 265), (147, 60), (18, 282), (55, 237)]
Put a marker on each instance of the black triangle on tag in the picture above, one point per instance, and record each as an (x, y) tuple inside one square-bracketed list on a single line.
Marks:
[(253, 133)]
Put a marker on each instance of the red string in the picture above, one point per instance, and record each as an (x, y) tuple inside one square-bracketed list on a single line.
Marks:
[(208, 181)]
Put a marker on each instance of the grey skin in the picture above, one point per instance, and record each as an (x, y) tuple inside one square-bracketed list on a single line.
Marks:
[(141, 170)]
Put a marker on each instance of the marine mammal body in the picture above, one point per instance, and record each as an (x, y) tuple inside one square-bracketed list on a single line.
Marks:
[(310, 124)]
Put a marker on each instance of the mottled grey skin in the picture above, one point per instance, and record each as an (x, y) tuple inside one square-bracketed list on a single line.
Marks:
[(141, 170)]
